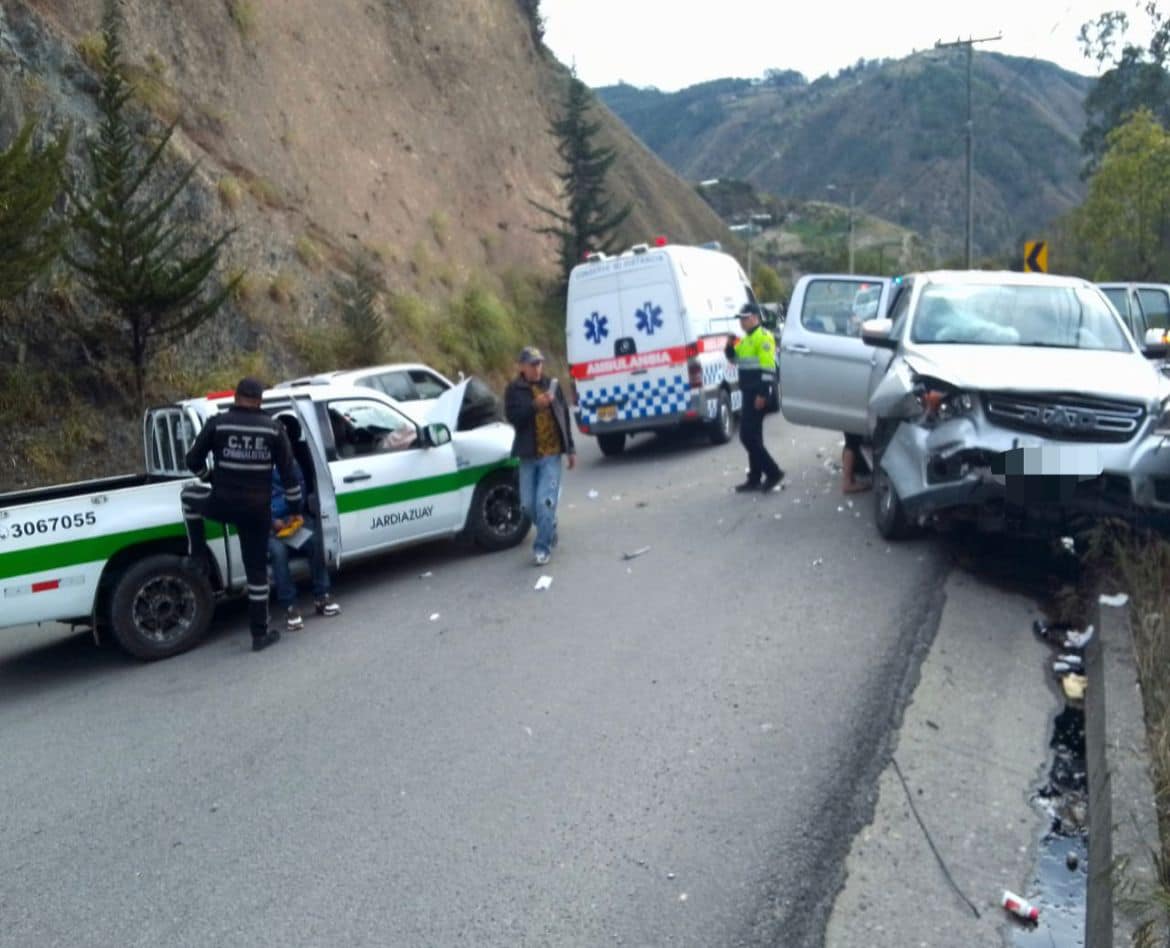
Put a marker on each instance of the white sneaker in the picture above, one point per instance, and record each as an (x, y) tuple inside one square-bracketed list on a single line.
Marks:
[(539, 559)]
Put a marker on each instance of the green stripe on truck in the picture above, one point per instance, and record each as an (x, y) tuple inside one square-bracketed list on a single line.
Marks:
[(97, 549)]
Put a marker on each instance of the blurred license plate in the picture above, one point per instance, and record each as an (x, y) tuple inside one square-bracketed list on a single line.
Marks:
[(607, 413)]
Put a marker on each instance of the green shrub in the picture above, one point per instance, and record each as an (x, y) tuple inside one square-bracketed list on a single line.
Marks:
[(243, 16), (309, 252), (231, 192)]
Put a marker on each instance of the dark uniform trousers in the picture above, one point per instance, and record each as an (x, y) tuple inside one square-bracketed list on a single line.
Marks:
[(751, 435), (252, 528)]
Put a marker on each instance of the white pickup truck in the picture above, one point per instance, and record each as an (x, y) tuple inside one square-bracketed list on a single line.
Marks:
[(383, 475)]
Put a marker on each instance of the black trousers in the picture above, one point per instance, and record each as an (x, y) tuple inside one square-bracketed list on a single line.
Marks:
[(751, 434), (252, 526)]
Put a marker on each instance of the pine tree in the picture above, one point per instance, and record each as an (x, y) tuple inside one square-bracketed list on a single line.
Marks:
[(130, 252), (589, 222), (365, 330), (30, 182)]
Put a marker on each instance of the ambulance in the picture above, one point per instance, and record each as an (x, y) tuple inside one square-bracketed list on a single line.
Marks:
[(645, 332)]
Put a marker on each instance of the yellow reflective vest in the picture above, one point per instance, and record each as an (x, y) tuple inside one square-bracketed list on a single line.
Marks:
[(755, 354)]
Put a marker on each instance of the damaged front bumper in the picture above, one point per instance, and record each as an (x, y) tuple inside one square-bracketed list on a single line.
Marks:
[(970, 468)]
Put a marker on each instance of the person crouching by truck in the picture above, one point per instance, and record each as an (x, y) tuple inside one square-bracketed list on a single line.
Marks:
[(755, 355), (536, 408)]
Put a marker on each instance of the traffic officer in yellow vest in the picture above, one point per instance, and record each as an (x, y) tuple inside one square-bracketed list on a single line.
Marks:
[(755, 355)]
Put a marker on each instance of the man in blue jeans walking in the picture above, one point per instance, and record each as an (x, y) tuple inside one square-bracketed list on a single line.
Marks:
[(536, 408)]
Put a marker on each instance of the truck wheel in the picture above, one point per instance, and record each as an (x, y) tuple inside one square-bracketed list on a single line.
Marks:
[(889, 514), (496, 521), (159, 608), (612, 444), (720, 430)]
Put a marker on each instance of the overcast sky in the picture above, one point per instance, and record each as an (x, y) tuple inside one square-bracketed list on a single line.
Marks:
[(671, 44)]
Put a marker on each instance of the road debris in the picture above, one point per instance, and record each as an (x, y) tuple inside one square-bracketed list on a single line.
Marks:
[(593, 495), (634, 554), (819, 561), (1069, 544), (543, 583), (1074, 686), (1117, 599), (427, 575), (1075, 638), (434, 616), (1020, 907)]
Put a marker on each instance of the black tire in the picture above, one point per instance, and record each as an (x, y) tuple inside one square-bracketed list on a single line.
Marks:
[(612, 444), (159, 608), (496, 520), (720, 430), (889, 515)]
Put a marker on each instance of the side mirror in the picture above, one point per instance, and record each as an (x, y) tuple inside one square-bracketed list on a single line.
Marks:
[(876, 332), (1155, 345), (435, 435)]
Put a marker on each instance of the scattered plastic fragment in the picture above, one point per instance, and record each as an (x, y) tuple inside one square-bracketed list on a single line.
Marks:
[(427, 575), (777, 516), (1076, 638), (1074, 686), (543, 583), (1117, 599), (634, 554), (1020, 907), (1069, 544), (819, 561), (593, 495), (682, 896), (434, 616)]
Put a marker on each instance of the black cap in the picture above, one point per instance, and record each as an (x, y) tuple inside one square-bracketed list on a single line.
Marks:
[(250, 387), (749, 309)]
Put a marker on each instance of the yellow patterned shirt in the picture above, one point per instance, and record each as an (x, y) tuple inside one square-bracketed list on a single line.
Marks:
[(548, 439)]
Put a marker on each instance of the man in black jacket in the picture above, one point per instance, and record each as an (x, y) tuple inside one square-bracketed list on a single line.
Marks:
[(536, 408), (245, 444)]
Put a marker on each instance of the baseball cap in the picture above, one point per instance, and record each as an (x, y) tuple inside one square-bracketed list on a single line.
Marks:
[(530, 355), (749, 309), (250, 387)]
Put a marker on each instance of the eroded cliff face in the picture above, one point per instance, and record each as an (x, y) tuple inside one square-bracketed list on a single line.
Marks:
[(413, 127)]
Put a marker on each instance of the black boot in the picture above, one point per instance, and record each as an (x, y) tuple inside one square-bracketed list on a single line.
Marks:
[(264, 639), (771, 483), (747, 486)]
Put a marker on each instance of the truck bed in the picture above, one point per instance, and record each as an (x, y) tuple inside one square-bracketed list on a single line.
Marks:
[(81, 488)]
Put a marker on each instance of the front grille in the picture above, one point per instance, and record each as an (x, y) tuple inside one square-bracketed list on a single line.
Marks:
[(1066, 419)]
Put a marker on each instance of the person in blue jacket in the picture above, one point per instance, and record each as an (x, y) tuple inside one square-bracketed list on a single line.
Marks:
[(309, 542)]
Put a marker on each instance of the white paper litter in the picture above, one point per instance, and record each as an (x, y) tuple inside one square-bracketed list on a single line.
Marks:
[(593, 495), (1069, 544), (818, 562), (1075, 638), (427, 575), (543, 583), (434, 616), (1117, 599)]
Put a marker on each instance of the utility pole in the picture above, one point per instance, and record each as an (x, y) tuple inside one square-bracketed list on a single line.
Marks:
[(851, 231), (970, 44)]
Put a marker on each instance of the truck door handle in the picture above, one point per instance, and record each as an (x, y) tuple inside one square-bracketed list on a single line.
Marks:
[(798, 349), (356, 476)]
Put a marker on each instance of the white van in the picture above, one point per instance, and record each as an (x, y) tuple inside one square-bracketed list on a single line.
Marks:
[(645, 333)]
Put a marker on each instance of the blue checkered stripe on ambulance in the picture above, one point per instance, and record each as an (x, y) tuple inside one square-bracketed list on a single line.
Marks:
[(641, 398), (715, 372)]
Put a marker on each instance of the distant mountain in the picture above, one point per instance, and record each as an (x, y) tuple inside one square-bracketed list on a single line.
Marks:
[(891, 131)]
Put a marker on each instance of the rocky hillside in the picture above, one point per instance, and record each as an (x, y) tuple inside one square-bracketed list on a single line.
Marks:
[(893, 132), (415, 131), (416, 128)]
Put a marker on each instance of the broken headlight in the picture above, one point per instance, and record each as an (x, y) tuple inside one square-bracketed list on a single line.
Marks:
[(1162, 428), (942, 403)]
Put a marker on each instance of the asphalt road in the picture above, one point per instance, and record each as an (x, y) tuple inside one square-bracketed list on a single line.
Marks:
[(675, 749)]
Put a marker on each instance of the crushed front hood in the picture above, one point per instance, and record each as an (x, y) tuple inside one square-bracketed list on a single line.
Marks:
[(1093, 373)]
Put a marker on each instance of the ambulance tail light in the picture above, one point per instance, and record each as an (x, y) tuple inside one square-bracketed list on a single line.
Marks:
[(695, 373), (660, 241)]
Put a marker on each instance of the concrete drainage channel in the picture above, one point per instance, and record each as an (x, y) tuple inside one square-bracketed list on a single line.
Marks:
[(1099, 798), (1049, 792)]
